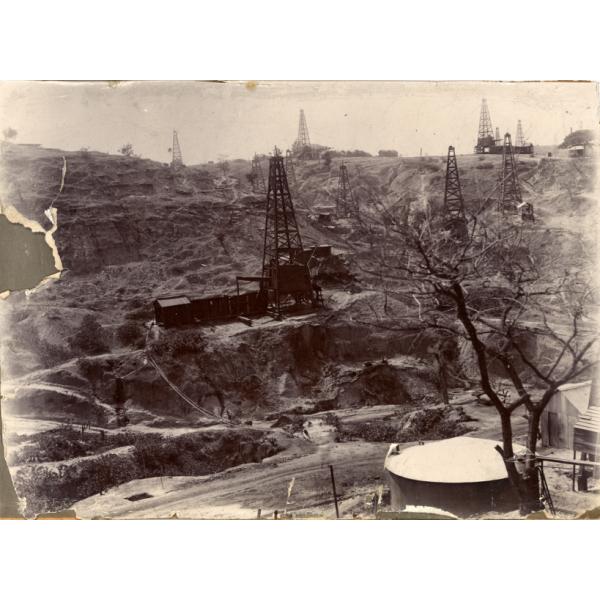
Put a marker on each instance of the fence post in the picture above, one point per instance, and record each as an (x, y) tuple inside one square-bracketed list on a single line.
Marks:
[(337, 510)]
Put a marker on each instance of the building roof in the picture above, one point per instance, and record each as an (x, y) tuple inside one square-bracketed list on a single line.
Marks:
[(460, 459), (589, 420), (572, 386), (174, 301)]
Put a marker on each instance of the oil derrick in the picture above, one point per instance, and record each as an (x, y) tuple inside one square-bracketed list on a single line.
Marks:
[(498, 138), (284, 275), (257, 177), (485, 134), (454, 205), (176, 158), (302, 142), (521, 146), (345, 203), (519, 139), (511, 201), (291, 171)]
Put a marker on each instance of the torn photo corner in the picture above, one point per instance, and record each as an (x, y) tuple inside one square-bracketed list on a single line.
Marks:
[(299, 300)]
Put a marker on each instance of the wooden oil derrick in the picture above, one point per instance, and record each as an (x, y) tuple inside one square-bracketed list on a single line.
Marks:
[(510, 190), (519, 138), (284, 275), (345, 201), (485, 132), (176, 157), (257, 178), (454, 205), (511, 201), (303, 137), (302, 146)]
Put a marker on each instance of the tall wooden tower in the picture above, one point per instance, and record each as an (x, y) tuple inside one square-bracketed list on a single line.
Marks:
[(176, 158), (345, 201), (454, 205), (284, 275), (511, 201), (257, 176)]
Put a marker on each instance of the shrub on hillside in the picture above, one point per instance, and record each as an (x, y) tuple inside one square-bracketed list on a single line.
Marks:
[(578, 138), (90, 338), (47, 353), (67, 442), (126, 150), (136, 302), (54, 487), (49, 488), (432, 423), (92, 370), (177, 343), (348, 153), (140, 314), (130, 334)]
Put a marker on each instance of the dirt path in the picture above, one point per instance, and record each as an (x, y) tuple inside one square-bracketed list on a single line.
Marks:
[(242, 490), (19, 381)]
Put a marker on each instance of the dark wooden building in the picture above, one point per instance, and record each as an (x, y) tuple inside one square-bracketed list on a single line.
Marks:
[(175, 310)]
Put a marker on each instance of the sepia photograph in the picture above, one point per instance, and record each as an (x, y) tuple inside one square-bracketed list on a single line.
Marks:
[(294, 300)]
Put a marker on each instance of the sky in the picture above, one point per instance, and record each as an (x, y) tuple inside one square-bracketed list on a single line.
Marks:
[(234, 120)]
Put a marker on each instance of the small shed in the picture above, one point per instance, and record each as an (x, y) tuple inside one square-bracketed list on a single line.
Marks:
[(586, 434), (172, 311), (576, 151), (562, 412)]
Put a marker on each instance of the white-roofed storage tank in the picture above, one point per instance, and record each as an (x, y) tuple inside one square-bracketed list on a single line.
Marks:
[(462, 475)]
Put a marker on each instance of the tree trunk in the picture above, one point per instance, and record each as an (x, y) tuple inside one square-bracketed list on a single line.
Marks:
[(526, 483), (529, 491), (442, 377), (530, 481)]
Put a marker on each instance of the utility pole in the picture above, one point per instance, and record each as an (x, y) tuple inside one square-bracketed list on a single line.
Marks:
[(335, 500)]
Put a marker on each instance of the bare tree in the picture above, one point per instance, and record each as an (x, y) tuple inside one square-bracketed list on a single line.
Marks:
[(503, 289), (126, 150)]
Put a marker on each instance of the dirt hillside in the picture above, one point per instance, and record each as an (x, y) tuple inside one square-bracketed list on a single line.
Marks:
[(131, 229)]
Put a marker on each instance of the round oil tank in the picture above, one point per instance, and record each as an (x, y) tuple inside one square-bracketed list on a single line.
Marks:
[(462, 475)]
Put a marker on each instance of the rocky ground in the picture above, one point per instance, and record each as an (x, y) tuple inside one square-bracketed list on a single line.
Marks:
[(280, 401)]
